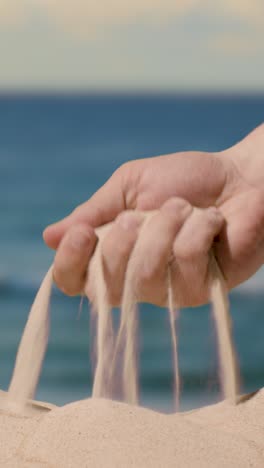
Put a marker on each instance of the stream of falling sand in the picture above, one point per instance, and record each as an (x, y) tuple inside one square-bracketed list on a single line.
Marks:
[(34, 341), (104, 343), (175, 357), (32, 348), (229, 371)]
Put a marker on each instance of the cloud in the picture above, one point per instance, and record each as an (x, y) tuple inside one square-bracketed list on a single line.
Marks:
[(250, 10), (89, 17), (12, 12), (150, 44), (84, 15), (103, 11), (236, 45)]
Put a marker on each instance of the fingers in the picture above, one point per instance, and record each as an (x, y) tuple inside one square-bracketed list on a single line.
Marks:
[(191, 256), (117, 246), (76, 249), (188, 234), (153, 250), (240, 250), (197, 234), (101, 208), (177, 231), (72, 258)]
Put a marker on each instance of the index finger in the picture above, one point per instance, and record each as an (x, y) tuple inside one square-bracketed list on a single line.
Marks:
[(101, 208)]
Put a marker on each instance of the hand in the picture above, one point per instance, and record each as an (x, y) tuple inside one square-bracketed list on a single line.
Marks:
[(232, 181)]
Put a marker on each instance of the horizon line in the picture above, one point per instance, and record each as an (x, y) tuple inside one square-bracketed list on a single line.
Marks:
[(183, 92)]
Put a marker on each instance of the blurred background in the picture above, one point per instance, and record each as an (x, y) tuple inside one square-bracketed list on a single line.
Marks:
[(84, 87)]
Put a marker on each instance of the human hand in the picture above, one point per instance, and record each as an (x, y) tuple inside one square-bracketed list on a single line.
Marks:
[(232, 181)]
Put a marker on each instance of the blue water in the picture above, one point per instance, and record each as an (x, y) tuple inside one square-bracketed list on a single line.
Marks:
[(55, 151)]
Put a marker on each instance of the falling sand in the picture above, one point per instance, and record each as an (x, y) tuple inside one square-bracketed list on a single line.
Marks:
[(35, 338), (32, 348), (126, 341), (104, 433)]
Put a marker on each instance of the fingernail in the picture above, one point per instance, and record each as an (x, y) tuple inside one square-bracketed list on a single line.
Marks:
[(128, 221)]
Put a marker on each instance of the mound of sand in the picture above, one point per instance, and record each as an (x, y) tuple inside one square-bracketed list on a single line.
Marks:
[(246, 419), (102, 433), (15, 428)]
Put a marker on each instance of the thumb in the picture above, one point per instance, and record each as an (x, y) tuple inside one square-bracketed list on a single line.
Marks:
[(101, 208)]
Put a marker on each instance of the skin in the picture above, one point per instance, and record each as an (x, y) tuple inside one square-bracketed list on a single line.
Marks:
[(202, 200)]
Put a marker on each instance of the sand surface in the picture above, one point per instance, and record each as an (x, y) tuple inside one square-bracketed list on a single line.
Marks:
[(15, 428), (100, 433), (103, 433)]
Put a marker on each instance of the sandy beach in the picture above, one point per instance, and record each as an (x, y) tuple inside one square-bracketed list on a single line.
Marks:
[(103, 433), (56, 151)]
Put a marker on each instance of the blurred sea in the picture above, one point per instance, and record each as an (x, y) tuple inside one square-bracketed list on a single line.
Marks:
[(55, 151)]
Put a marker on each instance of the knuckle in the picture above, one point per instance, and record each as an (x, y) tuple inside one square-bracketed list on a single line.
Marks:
[(128, 167), (79, 238), (78, 210), (123, 171), (177, 206), (129, 220), (214, 217), (148, 271), (124, 167), (128, 177), (123, 216), (118, 243)]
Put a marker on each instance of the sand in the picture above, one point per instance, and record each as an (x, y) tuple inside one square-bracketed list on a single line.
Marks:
[(109, 348), (102, 433), (173, 315), (105, 340), (32, 348), (15, 428), (229, 371)]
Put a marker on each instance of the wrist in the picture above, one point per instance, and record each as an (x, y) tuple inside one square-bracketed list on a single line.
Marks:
[(247, 158)]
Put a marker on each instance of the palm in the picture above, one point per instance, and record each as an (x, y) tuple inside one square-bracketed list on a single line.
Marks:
[(241, 247), (232, 180), (197, 177), (204, 180)]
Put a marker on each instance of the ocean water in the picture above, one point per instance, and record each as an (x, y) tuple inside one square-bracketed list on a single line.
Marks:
[(55, 151)]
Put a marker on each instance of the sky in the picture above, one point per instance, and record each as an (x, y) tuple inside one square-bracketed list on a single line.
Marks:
[(166, 45)]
